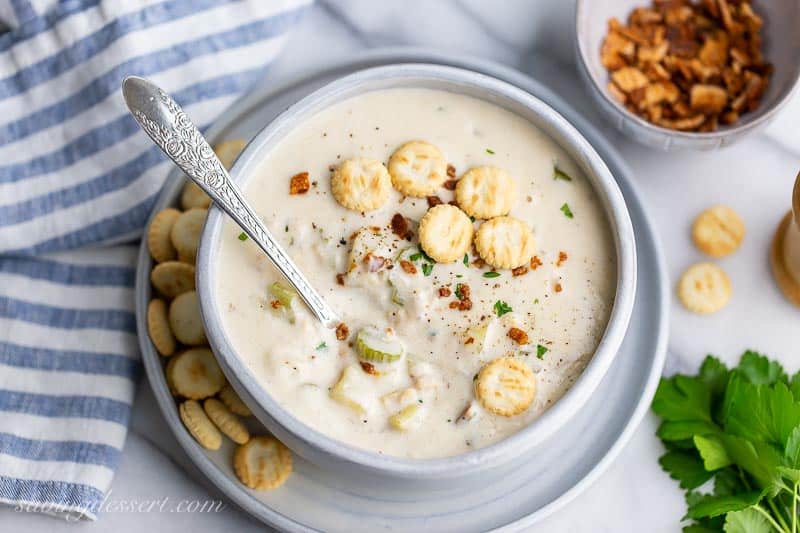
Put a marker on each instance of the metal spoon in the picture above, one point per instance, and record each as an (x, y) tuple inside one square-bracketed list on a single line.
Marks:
[(172, 130)]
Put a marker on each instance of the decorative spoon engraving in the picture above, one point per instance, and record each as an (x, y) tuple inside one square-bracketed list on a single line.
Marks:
[(172, 130)]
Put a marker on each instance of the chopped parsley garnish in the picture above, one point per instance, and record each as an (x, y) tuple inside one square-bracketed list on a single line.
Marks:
[(559, 174), (491, 274), (415, 257), (472, 219), (489, 151), (501, 308), (321, 346), (458, 292), (459, 275), (243, 236), (286, 228), (466, 259), (540, 351), (427, 268), (567, 211), (536, 301)]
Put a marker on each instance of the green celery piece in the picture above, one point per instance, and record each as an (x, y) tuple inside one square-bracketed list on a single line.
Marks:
[(746, 521), (711, 506), (285, 296), (712, 451), (760, 370), (685, 467)]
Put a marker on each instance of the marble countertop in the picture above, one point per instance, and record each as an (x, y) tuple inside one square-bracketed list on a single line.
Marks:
[(534, 36)]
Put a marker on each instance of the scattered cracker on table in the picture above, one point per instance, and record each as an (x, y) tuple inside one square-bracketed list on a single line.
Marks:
[(486, 192), (263, 463), (158, 235), (445, 233), (186, 232), (185, 319), (195, 374), (505, 242), (199, 425), (172, 278), (158, 327), (193, 196), (227, 422), (718, 231), (417, 169), (505, 386), (361, 184), (786, 282), (228, 151), (704, 288), (233, 402)]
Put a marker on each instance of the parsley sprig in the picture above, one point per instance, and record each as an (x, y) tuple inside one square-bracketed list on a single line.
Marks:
[(501, 308), (739, 427)]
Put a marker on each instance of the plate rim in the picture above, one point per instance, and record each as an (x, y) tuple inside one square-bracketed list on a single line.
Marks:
[(383, 56)]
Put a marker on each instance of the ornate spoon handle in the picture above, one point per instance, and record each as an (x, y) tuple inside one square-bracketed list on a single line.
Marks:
[(172, 130)]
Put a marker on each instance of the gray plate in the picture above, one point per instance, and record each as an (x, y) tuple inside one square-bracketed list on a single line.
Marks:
[(315, 500)]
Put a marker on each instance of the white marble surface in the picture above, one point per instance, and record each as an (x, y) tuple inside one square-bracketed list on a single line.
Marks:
[(534, 36)]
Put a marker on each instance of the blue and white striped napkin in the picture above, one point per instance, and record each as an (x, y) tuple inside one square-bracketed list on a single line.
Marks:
[(77, 175)]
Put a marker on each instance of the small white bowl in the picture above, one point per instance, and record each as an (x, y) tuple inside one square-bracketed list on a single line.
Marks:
[(781, 36), (482, 465)]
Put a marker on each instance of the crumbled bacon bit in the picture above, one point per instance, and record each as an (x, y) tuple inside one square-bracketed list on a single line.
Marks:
[(276, 304), (453, 203), (535, 262), (519, 271), (299, 183), (342, 331), (465, 304), (558, 287), (479, 263), (519, 336), (450, 185), (433, 201), (369, 368), (562, 257), (454, 304), (469, 340), (408, 267), (340, 278), (451, 171), (463, 290), (400, 226), (444, 292)]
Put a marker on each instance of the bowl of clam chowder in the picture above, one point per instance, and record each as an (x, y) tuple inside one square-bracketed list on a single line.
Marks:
[(479, 254)]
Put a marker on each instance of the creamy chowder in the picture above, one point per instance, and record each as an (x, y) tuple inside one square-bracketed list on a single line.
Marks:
[(560, 299)]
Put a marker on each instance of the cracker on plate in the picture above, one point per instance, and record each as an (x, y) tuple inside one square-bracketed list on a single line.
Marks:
[(195, 374), (704, 288), (158, 327), (718, 231), (185, 233), (172, 278), (199, 425), (158, 235), (262, 463), (227, 422), (185, 320)]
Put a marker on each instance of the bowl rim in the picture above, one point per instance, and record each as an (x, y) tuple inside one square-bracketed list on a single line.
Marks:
[(556, 127), (720, 134)]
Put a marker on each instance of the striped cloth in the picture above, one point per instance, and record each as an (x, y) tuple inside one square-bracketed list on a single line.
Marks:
[(77, 175)]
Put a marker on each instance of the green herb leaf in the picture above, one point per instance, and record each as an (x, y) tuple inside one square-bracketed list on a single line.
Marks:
[(501, 308), (321, 346), (717, 505), (540, 351), (685, 467), (491, 274), (489, 151), (415, 257), (559, 174), (466, 259), (243, 236), (458, 292), (712, 451), (472, 219), (567, 211), (746, 521), (427, 268), (760, 370)]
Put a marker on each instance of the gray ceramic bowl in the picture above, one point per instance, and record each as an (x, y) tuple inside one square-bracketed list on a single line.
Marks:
[(781, 48), (479, 465)]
